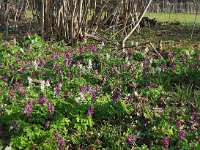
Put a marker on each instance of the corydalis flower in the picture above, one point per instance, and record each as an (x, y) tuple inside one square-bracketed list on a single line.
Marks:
[(116, 95), (15, 125), (30, 81), (184, 59), (21, 90), (90, 111), (195, 119), (130, 139), (28, 108), (173, 65), (16, 86), (165, 141), (35, 64), (163, 67), (57, 89), (56, 134), (178, 123), (198, 57), (6, 44), (59, 71), (61, 143), (42, 85), (182, 134), (47, 124), (170, 55), (55, 54), (90, 64), (51, 109), (42, 99), (83, 89), (92, 93), (12, 94)]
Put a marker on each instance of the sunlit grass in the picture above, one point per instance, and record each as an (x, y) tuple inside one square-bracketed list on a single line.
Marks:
[(184, 19)]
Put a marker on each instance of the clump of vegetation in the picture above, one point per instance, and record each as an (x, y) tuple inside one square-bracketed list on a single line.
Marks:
[(93, 97)]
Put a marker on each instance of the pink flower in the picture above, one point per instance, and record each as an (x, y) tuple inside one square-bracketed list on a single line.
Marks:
[(47, 124), (12, 94), (165, 141), (178, 123), (15, 125), (90, 111), (51, 109), (42, 99), (58, 88), (28, 108), (182, 134), (130, 139)]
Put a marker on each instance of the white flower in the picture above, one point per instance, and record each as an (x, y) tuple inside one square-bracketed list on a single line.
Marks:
[(8, 148), (136, 93), (42, 85), (22, 50), (136, 44), (83, 69), (90, 64), (81, 98), (47, 83), (78, 99), (102, 44), (158, 69), (35, 65), (107, 56), (30, 81)]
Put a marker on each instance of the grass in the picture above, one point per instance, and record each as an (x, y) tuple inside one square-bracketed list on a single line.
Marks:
[(184, 19)]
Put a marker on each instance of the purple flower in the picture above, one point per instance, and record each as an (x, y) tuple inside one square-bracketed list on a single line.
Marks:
[(55, 54), (83, 89), (47, 124), (193, 66), (170, 55), (78, 63), (92, 93), (56, 134), (42, 99), (195, 119), (6, 44), (178, 123), (21, 90), (90, 111), (58, 88), (184, 59), (12, 94), (15, 125), (51, 109), (61, 143), (59, 70), (182, 134), (163, 67), (16, 86), (69, 74), (116, 95), (173, 65), (198, 57), (130, 139), (133, 71), (28, 108), (165, 141)]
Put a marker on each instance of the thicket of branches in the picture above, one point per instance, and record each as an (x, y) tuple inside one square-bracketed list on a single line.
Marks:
[(77, 20)]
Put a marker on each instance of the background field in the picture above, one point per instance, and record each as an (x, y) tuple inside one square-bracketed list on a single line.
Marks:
[(184, 19)]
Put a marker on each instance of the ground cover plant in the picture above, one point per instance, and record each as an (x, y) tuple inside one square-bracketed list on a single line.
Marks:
[(96, 96)]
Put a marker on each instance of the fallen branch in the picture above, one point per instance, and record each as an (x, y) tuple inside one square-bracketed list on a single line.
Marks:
[(155, 50)]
